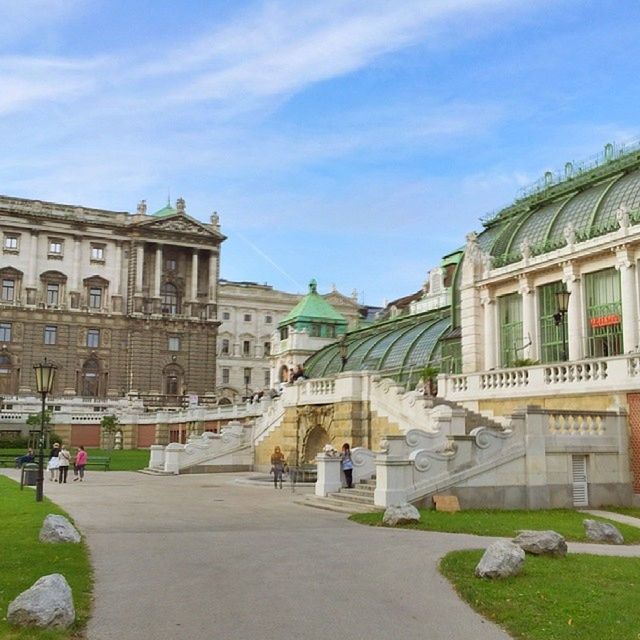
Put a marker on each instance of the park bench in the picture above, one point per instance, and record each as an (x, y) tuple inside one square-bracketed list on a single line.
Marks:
[(8, 459), (99, 461)]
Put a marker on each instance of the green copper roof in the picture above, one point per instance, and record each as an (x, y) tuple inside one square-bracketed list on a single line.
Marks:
[(167, 210), (399, 347), (585, 202), (313, 307)]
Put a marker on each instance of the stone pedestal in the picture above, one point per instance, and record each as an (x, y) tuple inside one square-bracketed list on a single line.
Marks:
[(329, 478)]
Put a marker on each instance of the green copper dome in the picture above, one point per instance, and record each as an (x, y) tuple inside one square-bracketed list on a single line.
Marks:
[(167, 210), (313, 308)]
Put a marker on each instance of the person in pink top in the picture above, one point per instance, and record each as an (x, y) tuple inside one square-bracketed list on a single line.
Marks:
[(79, 464)]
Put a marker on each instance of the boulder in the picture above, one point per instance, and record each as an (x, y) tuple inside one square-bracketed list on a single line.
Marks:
[(401, 514), (58, 529), (502, 559), (542, 543), (48, 604), (602, 532)]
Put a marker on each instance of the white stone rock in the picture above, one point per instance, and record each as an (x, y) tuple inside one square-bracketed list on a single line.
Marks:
[(58, 529), (548, 543), (501, 560), (401, 514), (602, 532), (48, 603)]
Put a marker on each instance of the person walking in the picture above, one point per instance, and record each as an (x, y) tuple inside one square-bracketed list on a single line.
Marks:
[(346, 465), (277, 467), (54, 463), (79, 464), (64, 458)]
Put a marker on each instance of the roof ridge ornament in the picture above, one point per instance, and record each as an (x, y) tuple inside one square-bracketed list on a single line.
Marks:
[(181, 206), (313, 286)]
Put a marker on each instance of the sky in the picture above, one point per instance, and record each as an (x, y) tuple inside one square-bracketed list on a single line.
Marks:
[(355, 142)]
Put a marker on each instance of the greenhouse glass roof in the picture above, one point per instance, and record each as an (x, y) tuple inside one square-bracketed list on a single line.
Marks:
[(396, 347), (586, 200)]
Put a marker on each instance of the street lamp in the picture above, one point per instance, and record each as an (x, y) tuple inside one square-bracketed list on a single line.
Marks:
[(45, 375), (344, 353), (562, 303)]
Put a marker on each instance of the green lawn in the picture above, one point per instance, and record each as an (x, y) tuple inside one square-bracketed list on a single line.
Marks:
[(24, 559), (503, 523), (129, 460), (579, 597)]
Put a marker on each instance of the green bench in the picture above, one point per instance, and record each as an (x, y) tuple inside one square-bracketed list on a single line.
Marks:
[(99, 461), (8, 459)]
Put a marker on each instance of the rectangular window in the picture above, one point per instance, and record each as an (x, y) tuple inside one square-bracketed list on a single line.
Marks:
[(604, 314), (53, 292), (5, 332), (95, 297), (267, 349), (93, 338), (247, 317), (225, 376), (50, 334), (225, 346), (174, 343), (247, 376), (11, 242), (170, 264), (246, 348), (268, 319), (55, 246), (510, 315), (551, 343), (8, 290), (226, 315), (97, 252), (267, 377)]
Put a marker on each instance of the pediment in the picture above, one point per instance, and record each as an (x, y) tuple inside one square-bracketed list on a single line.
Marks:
[(178, 223)]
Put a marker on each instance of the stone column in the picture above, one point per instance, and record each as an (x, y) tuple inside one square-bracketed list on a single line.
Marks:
[(139, 266), (624, 264), (575, 327), (194, 275), (213, 277), (117, 274), (31, 277), (329, 478), (158, 272), (489, 320), (75, 267), (528, 319)]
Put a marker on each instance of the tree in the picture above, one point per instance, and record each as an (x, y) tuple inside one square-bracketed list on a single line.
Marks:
[(109, 425), (34, 422), (429, 375)]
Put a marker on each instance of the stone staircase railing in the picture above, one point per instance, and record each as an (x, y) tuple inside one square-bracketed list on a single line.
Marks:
[(268, 422), (234, 439)]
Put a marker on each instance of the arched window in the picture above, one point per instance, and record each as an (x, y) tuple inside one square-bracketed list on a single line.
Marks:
[(173, 380), (169, 298), (90, 382)]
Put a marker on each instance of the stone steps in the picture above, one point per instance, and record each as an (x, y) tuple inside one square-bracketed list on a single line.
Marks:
[(333, 504)]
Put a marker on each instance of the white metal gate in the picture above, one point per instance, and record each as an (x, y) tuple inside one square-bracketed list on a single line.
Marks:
[(579, 481)]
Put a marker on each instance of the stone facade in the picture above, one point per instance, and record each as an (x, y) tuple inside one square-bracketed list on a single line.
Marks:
[(249, 314), (121, 303)]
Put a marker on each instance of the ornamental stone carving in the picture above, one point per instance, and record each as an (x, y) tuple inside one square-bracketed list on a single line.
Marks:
[(525, 249), (622, 216), (569, 233)]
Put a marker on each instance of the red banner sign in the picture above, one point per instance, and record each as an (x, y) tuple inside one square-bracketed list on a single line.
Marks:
[(605, 321)]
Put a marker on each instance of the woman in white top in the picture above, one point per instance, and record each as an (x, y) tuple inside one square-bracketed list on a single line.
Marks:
[(64, 458)]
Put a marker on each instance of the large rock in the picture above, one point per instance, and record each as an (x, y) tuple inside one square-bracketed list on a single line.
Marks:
[(401, 514), (547, 543), (501, 560), (58, 529), (48, 603), (602, 532)]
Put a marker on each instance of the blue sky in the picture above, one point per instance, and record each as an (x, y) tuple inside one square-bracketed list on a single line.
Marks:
[(354, 142)]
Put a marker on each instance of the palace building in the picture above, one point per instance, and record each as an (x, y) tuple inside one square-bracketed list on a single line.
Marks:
[(122, 303)]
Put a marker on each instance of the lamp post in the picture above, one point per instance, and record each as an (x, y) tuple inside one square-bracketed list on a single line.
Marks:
[(45, 375), (562, 303), (344, 353)]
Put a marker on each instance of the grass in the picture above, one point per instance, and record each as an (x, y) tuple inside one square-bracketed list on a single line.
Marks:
[(24, 559), (579, 597), (122, 460), (503, 523)]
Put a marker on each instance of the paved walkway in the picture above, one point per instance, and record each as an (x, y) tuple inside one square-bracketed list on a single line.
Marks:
[(206, 557)]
